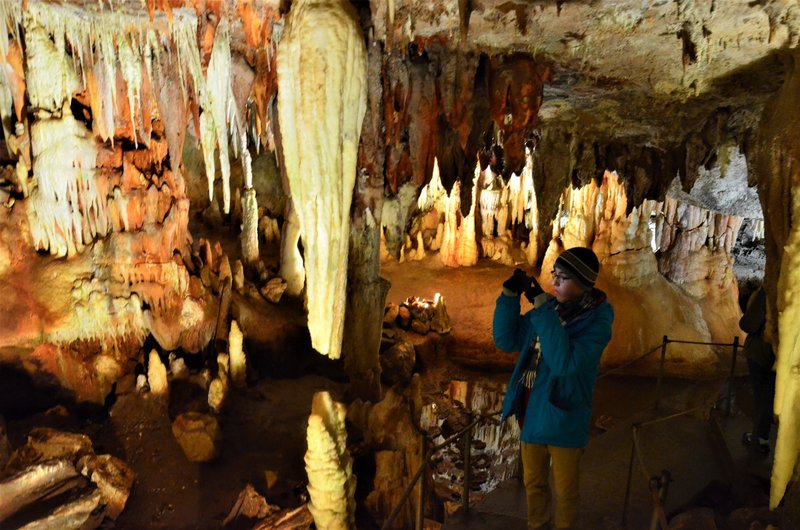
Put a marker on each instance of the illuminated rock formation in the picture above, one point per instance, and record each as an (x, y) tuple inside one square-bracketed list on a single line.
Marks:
[(596, 217), (321, 104), (778, 180), (331, 483), (238, 361)]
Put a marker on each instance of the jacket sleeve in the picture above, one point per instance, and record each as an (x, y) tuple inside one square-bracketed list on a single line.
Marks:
[(567, 356), (509, 328)]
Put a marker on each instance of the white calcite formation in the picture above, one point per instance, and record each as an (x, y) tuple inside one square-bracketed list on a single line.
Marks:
[(238, 361), (331, 483), (647, 305), (787, 382), (459, 248), (439, 225), (157, 375), (321, 104), (67, 207), (291, 260)]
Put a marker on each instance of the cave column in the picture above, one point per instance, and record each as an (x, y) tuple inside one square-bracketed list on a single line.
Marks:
[(366, 290), (773, 166)]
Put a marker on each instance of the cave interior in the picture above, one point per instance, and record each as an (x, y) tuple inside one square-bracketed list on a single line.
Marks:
[(250, 249)]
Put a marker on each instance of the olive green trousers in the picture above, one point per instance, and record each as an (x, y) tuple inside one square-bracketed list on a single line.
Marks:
[(537, 462)]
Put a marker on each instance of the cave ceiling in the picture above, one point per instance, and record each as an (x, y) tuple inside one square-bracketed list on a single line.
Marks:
[(645, 73)]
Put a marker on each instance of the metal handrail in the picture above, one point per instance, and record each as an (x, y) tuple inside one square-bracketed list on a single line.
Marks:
[(629, 363), (426, 456), (663, 347), (659, 485)]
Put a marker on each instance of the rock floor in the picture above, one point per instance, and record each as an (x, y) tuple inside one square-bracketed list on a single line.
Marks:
[(264, 429)]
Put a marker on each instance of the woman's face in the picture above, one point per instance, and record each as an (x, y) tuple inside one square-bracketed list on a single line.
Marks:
[(566, 286)]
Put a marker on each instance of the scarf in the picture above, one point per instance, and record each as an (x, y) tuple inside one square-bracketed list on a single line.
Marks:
[(569, 312)]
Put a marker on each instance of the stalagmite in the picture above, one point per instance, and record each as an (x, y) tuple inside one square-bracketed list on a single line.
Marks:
[(321, 104), (331, 483), (157, 375), (787, 382), (467, 247), (249, 236), (238, 361), (581, 205), (447, 250)]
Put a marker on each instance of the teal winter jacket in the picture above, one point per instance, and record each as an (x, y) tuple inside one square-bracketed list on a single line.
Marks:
[(560, 406)]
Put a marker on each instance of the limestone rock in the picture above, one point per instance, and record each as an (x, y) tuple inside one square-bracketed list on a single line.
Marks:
[(237, 359), (390, 314), (696, 519), (141, 383), (404, 317), (250, 505), (218, 394), (198, 435), (420, 326), (274, 289), (178, 368), (114, 479), (270, 479), (440, 321), (45, 443), (390, 478), (157, 375), (746, 518), (238, 276), (397, 363)]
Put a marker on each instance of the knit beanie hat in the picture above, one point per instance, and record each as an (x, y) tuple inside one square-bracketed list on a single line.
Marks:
[(582, 263)]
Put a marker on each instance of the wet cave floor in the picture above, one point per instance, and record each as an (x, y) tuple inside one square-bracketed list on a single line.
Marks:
[(264, 425)]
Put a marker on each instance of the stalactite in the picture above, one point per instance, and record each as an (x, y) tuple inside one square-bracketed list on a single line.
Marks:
[(219, 103), (321, 101), (291, 268)]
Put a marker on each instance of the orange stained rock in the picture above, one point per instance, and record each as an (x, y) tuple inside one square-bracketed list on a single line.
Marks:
[(263, 87), (251, 24), (516, 82), (132, 177), (15, 74), (206, 44), (149, 159)]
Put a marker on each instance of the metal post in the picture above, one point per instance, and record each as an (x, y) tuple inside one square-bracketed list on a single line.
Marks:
[(661, 369), (658, 510), (630, 476), (423, 481), (467, 465), (733, 374)]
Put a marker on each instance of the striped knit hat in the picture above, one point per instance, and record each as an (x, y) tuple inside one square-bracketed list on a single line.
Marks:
[(582, 263)]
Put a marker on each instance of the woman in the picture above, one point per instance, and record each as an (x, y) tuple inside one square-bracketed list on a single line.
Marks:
[(552, 386)]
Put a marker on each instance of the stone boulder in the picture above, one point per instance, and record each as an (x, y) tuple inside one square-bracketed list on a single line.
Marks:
[(198, 435)]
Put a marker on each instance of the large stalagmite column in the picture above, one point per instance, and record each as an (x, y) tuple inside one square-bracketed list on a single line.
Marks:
[(321, 103), (775, 168)]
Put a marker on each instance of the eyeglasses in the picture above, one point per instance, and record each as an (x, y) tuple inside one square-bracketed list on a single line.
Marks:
[(560, 277)]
